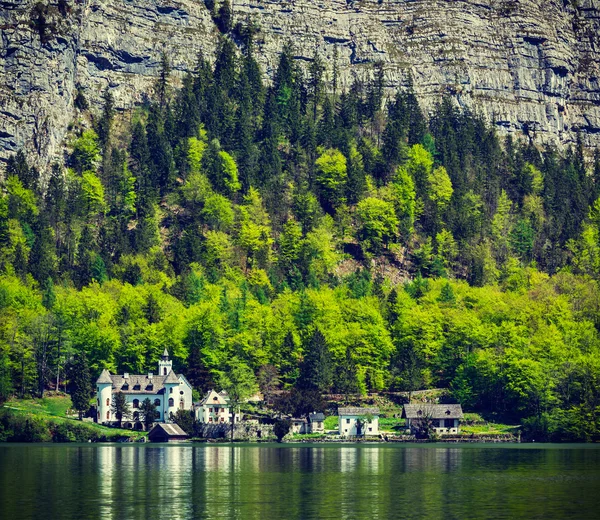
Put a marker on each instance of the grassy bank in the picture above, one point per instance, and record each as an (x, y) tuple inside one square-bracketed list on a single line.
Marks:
[(49, 420)]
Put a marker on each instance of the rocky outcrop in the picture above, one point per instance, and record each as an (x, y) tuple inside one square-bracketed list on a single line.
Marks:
[(527, 65)]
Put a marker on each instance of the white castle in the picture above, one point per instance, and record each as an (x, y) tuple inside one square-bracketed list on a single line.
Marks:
[(168, 391)]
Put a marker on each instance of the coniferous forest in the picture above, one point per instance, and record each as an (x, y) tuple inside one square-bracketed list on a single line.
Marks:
[(336, 239)]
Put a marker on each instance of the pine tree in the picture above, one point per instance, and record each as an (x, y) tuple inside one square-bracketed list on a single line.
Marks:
[(6, 386), (197, 372), (48, 295), (81, 383), (345, 376), (105, 121), (162, 84), (316, 370), (224, 18)]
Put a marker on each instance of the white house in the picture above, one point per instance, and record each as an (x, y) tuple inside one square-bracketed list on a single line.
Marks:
[(168, 391), (214, 408), (356, 422), (443, 418)]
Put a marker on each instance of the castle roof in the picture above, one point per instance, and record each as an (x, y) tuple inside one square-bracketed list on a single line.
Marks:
[(138, 384), (104, 378), (171, 378)]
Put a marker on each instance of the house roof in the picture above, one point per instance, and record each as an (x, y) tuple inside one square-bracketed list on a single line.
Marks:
[(356, 410), (171, 378), (316, 417), (213, 397), (104, 378), (169, 429), (138, 384), (434, 411)]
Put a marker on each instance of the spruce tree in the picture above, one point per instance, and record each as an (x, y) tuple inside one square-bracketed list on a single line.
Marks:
[(81, 383), (316, 370)]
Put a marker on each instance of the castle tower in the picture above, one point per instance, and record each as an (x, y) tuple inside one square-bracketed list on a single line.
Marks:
[(164, 364), (172, 395), (104, 386)]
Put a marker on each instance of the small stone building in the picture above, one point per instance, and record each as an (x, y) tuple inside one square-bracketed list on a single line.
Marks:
[(169, 432), (316, 422), (444, 418), (299, 425), (358, 422)]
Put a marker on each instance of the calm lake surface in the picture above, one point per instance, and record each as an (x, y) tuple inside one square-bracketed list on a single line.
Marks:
[(299, 481)]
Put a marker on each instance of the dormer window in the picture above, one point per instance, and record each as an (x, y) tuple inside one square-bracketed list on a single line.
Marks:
[(136, 387), (125, 386), (419, 412), (448, 412)]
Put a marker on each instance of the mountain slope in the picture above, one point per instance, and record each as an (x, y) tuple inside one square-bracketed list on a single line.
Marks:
[(529, 66)]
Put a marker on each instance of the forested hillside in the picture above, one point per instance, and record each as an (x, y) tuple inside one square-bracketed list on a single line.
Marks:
[(335, 239)]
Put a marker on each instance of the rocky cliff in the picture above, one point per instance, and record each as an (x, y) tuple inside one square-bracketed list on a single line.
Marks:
[(528, 65)]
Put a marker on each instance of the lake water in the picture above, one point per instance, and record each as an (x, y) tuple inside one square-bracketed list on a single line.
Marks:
[(115, 481)]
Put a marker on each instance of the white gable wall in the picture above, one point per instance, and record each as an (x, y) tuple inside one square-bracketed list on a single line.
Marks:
[(347, 426)]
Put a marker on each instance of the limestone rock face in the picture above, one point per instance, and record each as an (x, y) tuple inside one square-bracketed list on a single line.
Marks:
[(527, 65)]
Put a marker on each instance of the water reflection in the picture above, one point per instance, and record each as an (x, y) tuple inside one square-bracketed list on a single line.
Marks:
[(296, 482)]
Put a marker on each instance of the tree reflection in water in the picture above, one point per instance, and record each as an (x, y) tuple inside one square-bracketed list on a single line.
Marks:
[(297, 481)]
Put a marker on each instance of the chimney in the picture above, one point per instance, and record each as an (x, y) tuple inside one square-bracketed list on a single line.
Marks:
[(150, 376), (125, 375)]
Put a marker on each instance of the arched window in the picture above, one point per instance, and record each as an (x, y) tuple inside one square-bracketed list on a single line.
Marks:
[(136, 416), (136, 403), (156, 402), (171, 402), (107, 416), (165, 371), (171, 390), (182, 404), (107, 401)]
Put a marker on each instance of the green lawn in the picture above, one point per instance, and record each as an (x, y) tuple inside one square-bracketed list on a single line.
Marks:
[(54, 405), (391, 424), (331, 423), (54, 408), (475, 424)]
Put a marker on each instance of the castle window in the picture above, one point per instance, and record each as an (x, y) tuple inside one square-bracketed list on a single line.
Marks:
[(181, 393), (107, 401), (136, 403), (107, 416), (136, 416), (182, 404), (156, 402), (171, 390), (171, 402), (165, 371)]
